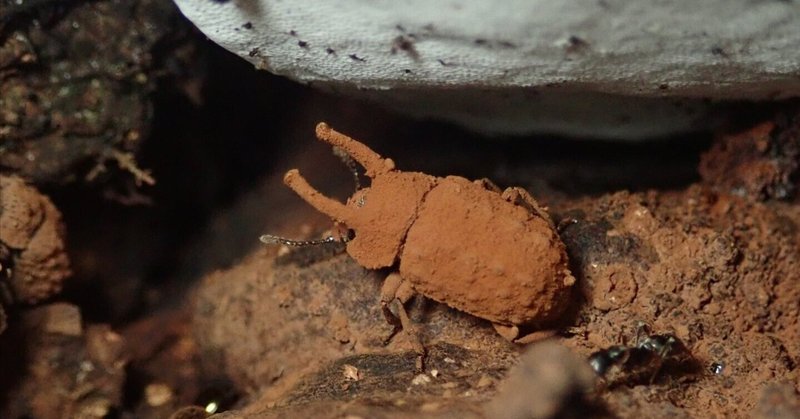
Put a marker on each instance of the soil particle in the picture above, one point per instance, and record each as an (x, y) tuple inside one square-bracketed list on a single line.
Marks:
[(760, 163), (31, 228), (162, 370), (68, 370), (550, 381), (778, 401)]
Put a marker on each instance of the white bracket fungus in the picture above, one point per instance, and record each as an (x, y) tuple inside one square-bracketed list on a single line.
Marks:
[(626, 69)]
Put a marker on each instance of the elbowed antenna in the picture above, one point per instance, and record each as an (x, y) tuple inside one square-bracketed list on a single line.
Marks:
[(372, 161), (322, 203)]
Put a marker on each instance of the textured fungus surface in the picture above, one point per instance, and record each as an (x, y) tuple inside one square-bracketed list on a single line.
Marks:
[(589, 68)]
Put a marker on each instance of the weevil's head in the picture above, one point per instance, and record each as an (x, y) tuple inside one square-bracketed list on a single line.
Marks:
[(379, 215)]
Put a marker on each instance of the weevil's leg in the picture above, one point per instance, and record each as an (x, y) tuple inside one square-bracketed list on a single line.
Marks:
[(413, 334), (536, 336), (521, 197), (395, 289), (488, 185), (388, 294), (509, 333)]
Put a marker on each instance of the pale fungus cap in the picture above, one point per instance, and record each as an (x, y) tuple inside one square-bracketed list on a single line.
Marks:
[(603, 68)]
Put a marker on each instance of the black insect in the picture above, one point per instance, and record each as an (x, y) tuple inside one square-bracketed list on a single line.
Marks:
[(602, 361), (646, 357)]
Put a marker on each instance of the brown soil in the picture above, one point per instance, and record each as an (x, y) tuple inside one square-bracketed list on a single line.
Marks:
[(718, 271), (174, 307)]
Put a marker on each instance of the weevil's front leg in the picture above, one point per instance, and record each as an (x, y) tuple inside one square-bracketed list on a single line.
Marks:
[(509, 333), (388, 293), (521, 197), (487, 184), (396, 289)]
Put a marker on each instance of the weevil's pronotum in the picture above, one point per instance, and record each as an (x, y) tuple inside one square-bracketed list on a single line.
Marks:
[(495, 255)]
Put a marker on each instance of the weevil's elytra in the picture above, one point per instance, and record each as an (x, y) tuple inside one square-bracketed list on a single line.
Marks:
[(492, 254), (499, 261)]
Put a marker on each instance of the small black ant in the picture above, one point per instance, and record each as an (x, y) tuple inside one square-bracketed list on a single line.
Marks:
[(646, 355)]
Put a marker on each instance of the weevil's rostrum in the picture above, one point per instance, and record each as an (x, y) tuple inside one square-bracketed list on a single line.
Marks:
[(496, 255)]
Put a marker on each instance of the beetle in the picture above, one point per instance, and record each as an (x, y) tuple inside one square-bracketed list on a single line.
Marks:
[(495, 255)]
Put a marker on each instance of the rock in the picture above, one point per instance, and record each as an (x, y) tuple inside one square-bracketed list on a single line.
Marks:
[(550, 381), (61, 318), (589, 68), (53, 368), (760, 163), (76, 96)]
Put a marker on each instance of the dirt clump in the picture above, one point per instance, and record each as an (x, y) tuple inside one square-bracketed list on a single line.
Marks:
[(77, 79), (162, 365), (549, 381), (32, 234), (54, 367), (761, 163), (778, 401)]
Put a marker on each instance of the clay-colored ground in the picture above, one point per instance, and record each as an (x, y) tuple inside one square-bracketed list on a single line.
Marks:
[(717, 270), (173, 302)]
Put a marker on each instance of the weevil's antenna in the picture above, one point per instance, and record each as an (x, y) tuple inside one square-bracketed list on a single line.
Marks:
[(270, 239), (350, 163), (343, 238)]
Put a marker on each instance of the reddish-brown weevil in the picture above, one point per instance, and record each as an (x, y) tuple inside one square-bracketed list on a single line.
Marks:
[(495, 255)]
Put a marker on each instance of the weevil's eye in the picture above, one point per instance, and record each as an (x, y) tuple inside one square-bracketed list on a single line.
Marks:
[(351, 234)]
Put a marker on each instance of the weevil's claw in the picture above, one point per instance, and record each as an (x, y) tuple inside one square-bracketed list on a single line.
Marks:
[(391, 336), (392, 320)]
